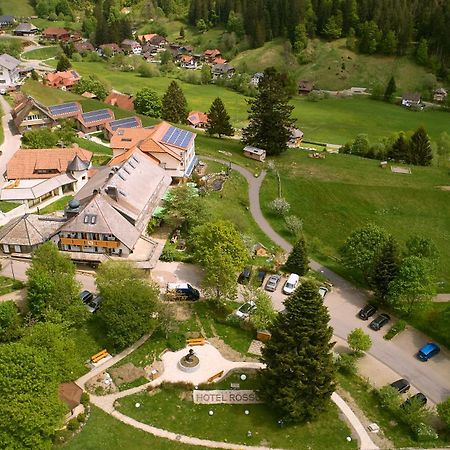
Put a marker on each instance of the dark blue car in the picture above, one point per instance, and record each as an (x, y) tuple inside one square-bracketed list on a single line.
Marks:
[(428, 351)]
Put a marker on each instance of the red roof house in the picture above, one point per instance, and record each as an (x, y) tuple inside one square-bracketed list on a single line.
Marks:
[(56, 34), (63, 80)]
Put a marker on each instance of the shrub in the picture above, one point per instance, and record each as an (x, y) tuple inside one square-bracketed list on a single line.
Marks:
[(84, 399), (346, 363), (81, 417), (390, 398), (148, 70), (73, 424), (294, 224), (76, 57), (424, 432), (396, 328), (279, 206), (176, 341), (443, 410)]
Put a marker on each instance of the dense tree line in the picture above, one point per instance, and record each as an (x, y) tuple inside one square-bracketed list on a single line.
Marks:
[(386, 26), (111, 24)]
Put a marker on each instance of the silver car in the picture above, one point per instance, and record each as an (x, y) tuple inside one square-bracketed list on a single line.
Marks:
[(272, 283)]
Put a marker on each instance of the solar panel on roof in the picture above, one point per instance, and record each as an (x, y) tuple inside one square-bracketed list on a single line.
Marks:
[(176, 136), (128, 122), (75, 74), (93, 116), (65, 108)]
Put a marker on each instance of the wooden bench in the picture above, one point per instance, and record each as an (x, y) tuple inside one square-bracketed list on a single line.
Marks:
[(214, 377), (98, 356), (196, 341)]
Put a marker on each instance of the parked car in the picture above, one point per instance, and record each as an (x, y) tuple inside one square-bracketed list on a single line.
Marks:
[(260, 277), (401, 385), (428, 351), (379, 322), (367, 311), (272, 283), (86, 296), (183, 290), (291, 284), (417, 398), (244, 311), (323, 291), (245, 275), (94, 305)]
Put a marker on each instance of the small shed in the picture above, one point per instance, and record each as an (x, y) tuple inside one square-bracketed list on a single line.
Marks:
[(254, 153), (70, 394)]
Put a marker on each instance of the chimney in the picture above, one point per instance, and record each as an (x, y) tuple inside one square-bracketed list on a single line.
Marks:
[(112, 192)]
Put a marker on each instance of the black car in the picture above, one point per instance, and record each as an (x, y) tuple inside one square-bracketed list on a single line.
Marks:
[(379, 322), (245, 275), (418, 398), (260, 277), (367, 311), (401, 385), (86, 296)]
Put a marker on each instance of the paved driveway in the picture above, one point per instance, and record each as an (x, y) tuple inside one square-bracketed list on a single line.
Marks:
[(11, 141)]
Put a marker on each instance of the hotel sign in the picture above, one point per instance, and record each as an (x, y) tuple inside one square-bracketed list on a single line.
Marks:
[(237, 397), (89, 242)]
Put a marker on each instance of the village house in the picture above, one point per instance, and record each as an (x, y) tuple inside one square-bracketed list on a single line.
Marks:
[(35, 175), (305, 86), (112, 49), (63, 80), (9, 71), (92, 121), (222, 71), (7, 21), (219, 60), (153, 39), (29, 114), (167, 146), (149, 50), (26, 233), (122, 101), (440, 94), (210, 55), (25, 29), (198, 119), (296, 138), (188, 61), (256, 78), (109, 215), (127, 122), (124, 139), (411, 100), (56, 34), (131, 46), (83, 47)]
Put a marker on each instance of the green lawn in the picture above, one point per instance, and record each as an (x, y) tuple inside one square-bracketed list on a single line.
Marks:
[(166, 409), (7, 206), (103, 432), (8, 285), (18, 8), (367, 399), (42, 53), (58, 205)]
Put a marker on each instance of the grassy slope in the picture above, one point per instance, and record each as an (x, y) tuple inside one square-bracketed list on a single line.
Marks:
[(103, 432), (19, 8), (42, 53), (335, 67), (331, 120)]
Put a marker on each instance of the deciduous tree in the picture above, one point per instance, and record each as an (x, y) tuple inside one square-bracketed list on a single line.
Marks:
[(91, 84), (443, 410), (269, 116), (147, 102), (128, 302), (299, 376), (359, 341), (219, 120), (174, 104), (10, 322)]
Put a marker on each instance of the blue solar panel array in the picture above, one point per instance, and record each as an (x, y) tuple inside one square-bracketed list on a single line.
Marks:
[(128, 122), (177, 137), (93, 116), (65, 108)]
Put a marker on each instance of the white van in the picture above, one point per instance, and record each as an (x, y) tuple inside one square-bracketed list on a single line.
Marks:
[(291, 284)]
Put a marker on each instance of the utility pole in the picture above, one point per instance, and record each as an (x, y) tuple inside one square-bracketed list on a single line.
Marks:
[(12, 270)]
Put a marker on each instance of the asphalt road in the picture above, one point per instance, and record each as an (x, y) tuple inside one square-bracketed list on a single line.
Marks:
[(11, 141), (344, 301)]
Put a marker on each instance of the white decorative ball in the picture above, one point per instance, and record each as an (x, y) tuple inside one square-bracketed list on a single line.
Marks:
[(137, 405), (349, 438), (211, 412), (246, 412), (243, 377)]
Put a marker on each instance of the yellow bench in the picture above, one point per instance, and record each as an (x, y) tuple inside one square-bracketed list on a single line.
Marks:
[(98, 356), (214, 377), (196, 341)]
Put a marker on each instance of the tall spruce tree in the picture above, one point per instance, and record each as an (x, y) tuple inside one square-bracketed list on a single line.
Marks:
[(174, 104), (218, 119), (63, 64), (297, 261), (421, 154), (400, 149), (299, 376), (385, 269), (269, 116), (390, 90)]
